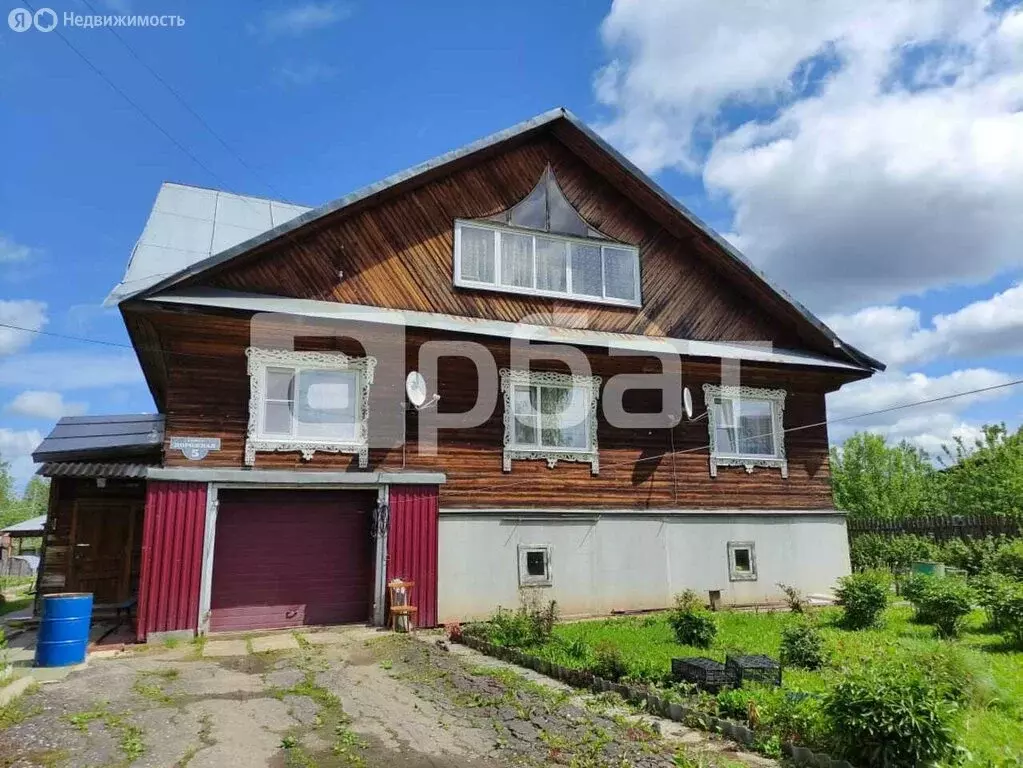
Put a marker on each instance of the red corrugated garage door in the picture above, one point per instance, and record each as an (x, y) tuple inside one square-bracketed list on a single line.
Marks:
[(288, 558)]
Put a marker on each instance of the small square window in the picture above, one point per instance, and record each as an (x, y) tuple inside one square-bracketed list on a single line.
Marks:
[(534, 566), (742, 561)]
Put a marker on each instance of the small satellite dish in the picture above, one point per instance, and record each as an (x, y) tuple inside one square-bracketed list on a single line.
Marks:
[(415, 388), (687, 402)]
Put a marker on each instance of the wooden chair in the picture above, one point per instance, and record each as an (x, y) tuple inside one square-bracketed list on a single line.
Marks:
[(400, 593)]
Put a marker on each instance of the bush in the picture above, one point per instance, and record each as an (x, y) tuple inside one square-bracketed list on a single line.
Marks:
[(864, 596), (890, 717), (1008, 559), (871, 551), (532, 624), (797, 603), (802, 646), (1010, 614), (608, 661), (993, 591), (913, 587), (946, 603), (692, 623)]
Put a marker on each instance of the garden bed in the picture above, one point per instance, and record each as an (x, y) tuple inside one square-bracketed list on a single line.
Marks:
[(989, 673)]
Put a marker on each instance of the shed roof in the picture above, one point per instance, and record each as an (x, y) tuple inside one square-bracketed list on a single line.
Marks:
[(32, 526), (76, 438)]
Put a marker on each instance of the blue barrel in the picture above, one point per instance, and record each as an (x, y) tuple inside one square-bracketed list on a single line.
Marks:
[(64, 629)]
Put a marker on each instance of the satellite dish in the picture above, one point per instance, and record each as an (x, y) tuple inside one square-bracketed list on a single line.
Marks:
[(687, 402), (415, 388)]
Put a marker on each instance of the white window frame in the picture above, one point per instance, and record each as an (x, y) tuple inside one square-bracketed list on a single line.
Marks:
[(525, 578), (734, 574), (261, 360), (552, 454), (718, 458), (567, 294)]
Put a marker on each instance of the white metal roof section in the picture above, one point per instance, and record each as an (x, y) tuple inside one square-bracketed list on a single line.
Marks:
[(190, 224), (32, 525), (329, 310)]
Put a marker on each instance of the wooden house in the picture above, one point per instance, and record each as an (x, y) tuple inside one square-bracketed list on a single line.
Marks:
[(545, 289)]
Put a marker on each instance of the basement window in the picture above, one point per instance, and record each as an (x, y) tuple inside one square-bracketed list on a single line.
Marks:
[(742, 563), (535, 566), (308, 402)]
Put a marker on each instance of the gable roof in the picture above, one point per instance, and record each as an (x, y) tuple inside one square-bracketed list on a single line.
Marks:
[(553, 119)]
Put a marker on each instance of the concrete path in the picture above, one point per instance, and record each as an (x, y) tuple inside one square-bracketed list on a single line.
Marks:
[(351, 697)]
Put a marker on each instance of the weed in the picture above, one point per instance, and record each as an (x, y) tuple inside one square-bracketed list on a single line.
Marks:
[(386, 664)]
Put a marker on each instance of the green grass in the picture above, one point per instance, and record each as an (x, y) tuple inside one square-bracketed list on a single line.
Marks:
[(10, 606), (992, 727)]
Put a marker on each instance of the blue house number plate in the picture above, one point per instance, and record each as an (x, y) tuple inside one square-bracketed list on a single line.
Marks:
[(195, 448)]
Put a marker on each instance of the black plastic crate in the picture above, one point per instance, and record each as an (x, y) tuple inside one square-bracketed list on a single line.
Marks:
[(706, 673), (752, 669)]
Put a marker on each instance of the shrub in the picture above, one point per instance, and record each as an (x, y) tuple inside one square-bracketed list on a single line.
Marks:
[(795, 599), (957, 675), (608, 661), (872, 551), (532, 624), (993, 590), (864, 596), (890, 716), (802, 646), (1008, 559), (946, 603), (1010, 614), (692, 623)]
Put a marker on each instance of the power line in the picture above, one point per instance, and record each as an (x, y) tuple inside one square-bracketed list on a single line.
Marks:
[(181, 100)]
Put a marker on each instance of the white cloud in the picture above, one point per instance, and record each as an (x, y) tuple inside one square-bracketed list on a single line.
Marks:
[(11, 251), (65, 371), (305, 74), (928, 425), (897, 170), (894, 334), (891, 390), (44, 405), (24, 314), (297, 20), (16, 448)]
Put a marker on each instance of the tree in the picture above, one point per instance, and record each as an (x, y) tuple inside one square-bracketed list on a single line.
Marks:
[(872, 479), (986, 478), (33, 502)]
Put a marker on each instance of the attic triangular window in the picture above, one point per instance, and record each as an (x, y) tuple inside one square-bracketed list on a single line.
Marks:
[(546, 209), (541, 246)]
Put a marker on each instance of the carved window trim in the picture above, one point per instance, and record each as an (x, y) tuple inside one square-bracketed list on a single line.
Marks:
[(591, 455), (776, 397), (262, 359)]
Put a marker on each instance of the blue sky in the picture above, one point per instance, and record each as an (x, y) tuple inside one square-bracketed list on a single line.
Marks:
[(838, 159)]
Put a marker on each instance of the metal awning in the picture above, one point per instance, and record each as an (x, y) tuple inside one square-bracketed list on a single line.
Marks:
[(83, 438), (86, 469)]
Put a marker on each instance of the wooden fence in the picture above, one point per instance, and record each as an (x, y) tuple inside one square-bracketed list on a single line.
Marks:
[(939, 528)]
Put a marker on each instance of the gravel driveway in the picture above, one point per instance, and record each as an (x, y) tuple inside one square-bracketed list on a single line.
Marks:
[(351, 698)]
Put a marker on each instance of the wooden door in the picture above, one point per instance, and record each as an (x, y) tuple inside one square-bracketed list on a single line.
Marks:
[(102, 541)]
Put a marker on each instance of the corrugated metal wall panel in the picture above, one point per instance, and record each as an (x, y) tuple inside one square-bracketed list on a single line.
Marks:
[(412, 545), (172, 543)]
